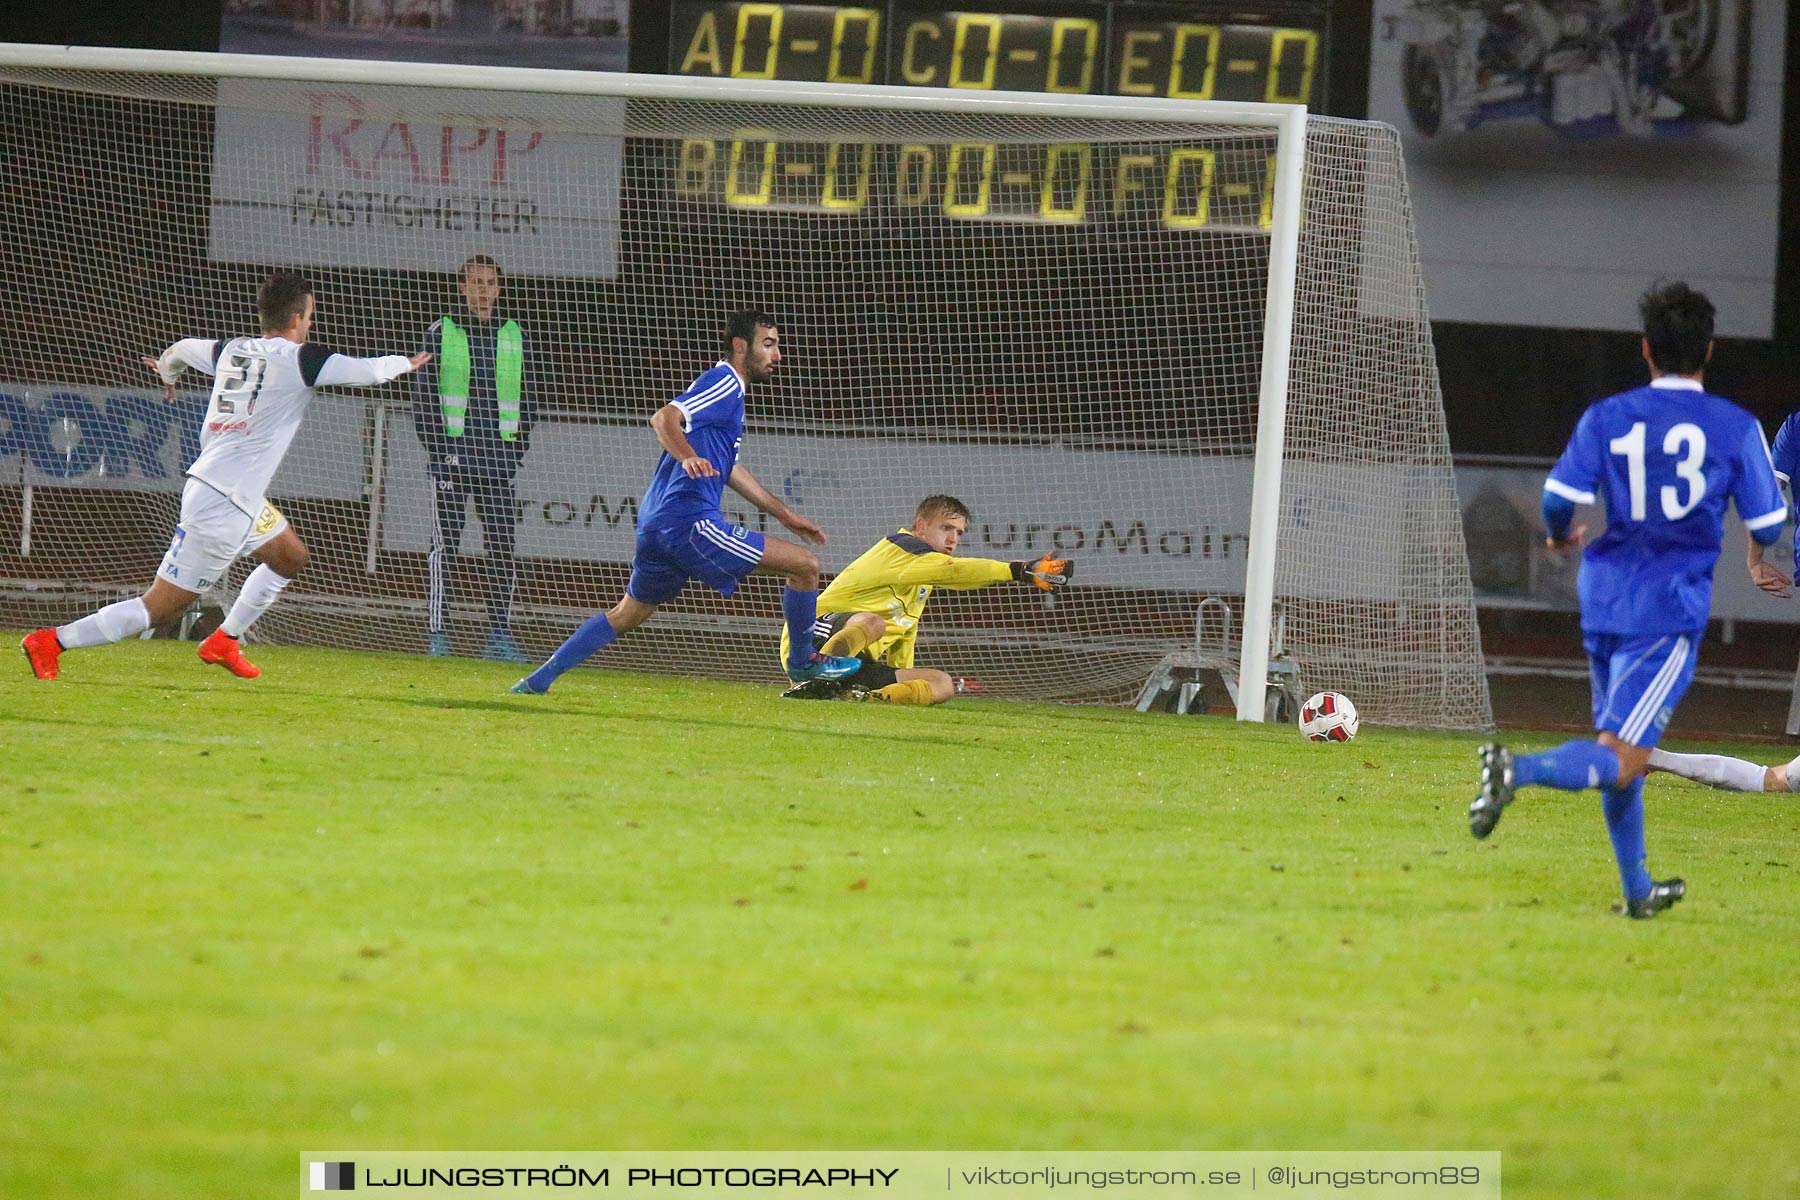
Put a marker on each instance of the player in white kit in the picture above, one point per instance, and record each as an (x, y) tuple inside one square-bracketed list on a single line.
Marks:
[(261, 388)]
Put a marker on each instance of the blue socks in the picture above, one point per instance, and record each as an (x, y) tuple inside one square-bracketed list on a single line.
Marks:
[(1625, 822), (595, 635), (1572, 767), (1579, 766), (800, 609)]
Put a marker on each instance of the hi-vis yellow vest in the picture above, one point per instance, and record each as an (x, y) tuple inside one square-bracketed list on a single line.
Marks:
[(453, 377)]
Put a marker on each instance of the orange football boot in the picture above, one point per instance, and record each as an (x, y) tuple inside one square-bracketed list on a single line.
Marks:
[(41, 651), (223, 649)]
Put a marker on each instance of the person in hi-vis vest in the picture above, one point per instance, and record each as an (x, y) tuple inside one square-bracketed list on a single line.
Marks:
[(473, 410)]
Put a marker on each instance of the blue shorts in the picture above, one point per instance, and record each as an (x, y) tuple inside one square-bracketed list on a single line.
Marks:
[(711, 549), (1638, 681)]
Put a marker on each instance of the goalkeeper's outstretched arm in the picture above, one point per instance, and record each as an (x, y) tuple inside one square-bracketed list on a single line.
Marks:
[(940, 569)]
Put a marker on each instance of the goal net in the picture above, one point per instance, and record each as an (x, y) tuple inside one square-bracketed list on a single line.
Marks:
[(1054, 312)]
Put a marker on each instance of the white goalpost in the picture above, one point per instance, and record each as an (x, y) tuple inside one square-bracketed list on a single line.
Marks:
[(1182, 344)]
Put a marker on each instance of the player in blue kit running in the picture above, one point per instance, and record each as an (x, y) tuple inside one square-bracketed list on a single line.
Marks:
[(682, 532), (1666, 458)]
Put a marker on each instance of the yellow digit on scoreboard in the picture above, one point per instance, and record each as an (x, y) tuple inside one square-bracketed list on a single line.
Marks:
[(1083, 155), (914, 175), (737, 195), (988, 151), (841, 21), (1173, 214), (835, 169), (694, 175), (1308, 44), (748, 13), (989, 24), (1059, 36), (1207, 36)]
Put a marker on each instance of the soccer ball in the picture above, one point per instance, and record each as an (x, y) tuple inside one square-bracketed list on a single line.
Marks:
[(1328, 717)]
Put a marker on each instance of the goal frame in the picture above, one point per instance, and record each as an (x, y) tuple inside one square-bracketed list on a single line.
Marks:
[(1288, 121)]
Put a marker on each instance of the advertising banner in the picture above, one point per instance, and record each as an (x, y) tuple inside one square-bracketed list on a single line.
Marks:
[(1563, 156), (130, 439), (1173, 522), (1159, 522), (415, 179)]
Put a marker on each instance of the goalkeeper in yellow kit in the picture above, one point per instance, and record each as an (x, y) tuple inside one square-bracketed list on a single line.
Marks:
[(872, 609)]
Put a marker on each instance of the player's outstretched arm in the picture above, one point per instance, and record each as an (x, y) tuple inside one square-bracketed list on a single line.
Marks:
[(340, 370), (745, 484), (966, 574), (952, 573)]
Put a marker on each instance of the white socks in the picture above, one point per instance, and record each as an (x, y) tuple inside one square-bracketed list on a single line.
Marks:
[(127, 618), (1714, 770), (259, 591), (114, 623)]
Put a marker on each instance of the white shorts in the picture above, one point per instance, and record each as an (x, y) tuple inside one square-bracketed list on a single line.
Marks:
[(212, 535)]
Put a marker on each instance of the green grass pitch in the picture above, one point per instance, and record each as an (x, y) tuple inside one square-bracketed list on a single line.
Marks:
[(372, 901)]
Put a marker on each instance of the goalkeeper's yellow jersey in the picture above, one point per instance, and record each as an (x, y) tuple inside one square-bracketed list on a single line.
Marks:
[(894, 578)]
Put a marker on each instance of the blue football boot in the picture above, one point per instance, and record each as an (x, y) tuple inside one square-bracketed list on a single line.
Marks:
[(823, 666)]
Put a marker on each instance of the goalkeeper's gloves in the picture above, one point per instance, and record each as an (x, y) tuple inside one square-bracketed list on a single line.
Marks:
[(1050, 574)]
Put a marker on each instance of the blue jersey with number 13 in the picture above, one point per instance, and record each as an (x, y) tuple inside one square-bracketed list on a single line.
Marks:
[(1665, 458)]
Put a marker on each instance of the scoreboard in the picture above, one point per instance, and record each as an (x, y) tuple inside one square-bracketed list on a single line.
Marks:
[(1266, 53), (1277, 51)]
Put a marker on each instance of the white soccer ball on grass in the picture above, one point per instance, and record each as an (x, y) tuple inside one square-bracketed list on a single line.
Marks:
[(1328, 717)]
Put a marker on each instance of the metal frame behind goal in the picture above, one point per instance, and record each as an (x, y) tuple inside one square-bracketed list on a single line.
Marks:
[(1182, 678)]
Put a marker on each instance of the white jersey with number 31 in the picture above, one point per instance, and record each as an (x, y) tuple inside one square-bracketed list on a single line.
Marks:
[(261, 388)]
